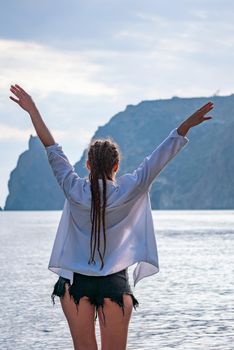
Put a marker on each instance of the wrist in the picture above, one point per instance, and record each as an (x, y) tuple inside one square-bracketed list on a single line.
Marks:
[(32, 111), (183, 128)]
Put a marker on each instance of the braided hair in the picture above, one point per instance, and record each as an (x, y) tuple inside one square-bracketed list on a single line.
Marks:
[(103, 155)]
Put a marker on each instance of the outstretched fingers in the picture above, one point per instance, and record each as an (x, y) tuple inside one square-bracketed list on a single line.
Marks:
[(21, 89), (22, 98), (15, 91), (14, 99), (206, 108), (18, 92), (199, 116)]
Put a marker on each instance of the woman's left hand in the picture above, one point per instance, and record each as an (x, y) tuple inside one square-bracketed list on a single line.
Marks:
[(24, 100)]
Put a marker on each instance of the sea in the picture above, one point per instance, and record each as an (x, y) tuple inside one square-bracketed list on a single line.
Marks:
[(188, 305)]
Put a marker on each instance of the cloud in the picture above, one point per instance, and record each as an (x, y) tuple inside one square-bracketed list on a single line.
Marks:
[(14, 134), (9, 133), (46, 69)]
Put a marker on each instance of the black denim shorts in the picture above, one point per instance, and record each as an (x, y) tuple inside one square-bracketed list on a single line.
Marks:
[(96, 288)]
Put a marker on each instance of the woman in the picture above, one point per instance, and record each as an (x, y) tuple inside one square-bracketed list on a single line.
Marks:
[(106, 226)]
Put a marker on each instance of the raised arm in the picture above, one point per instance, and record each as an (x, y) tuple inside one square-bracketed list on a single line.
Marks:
[(64, 172), (153, 164), (25, 101)]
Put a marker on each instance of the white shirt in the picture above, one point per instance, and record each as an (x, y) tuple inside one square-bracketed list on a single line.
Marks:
[(129, 223)]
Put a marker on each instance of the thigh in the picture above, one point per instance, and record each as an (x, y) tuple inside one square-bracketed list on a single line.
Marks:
[(114, 331), (80, 319)]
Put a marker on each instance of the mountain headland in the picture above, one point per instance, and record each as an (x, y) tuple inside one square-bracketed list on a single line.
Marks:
[(200, 177)]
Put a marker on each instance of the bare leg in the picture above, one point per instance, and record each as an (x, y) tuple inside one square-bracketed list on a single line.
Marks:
[(115, 331), (81, 323)]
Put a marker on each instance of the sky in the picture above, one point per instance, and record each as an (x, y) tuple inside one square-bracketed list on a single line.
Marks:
[(84, 61)]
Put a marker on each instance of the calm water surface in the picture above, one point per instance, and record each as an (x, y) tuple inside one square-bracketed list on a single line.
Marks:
[(188, 305)]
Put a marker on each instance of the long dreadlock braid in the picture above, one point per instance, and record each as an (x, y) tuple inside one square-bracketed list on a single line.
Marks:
[(103, 155)]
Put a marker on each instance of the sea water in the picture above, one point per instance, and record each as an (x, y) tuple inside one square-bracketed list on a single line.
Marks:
[(188, 305)]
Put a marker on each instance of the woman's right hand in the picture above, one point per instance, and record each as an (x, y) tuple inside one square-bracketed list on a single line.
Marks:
[(199, 116), (24, 100)]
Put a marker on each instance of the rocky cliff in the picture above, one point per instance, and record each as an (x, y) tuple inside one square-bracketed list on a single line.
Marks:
[(32, 185), (200, 177)]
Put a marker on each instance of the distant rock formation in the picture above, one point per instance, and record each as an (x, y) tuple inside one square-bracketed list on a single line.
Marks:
[(32, 185), (200, 177)]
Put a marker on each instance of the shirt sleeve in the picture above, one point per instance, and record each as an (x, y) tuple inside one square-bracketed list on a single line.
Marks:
[(153, 164), (62, 169)]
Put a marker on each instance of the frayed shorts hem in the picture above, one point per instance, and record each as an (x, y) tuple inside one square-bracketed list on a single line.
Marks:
[(96, 299)]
